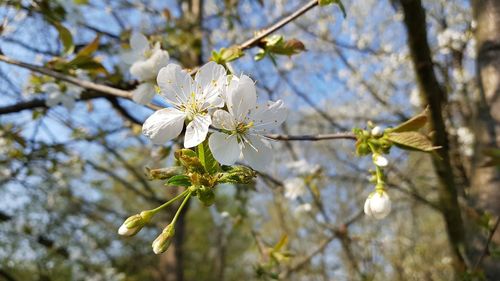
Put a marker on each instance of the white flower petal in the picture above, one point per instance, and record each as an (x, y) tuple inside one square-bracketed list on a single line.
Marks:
[(241, 98), (268, 117), (129, 57), (367, 209), (196, 130), (294, 188), (211, 77), (144, 93), (148, 69), (258, 154), (221, 119), (225, 148), (380, 160), (377, 131), (50, 88), (139, 42), (176, 85), (164, 125), (378, 205)]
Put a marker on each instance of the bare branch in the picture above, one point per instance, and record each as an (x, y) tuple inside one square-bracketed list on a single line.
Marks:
[(287, 19), (487, 245), (347, 135), (73, 80)]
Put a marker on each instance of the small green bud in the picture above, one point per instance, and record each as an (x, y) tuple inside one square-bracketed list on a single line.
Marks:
[(362, 149), (163, 241), (135, 223), (237, 174), (206, 195)]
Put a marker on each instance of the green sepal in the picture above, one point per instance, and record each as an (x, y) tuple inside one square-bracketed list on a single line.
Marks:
[(179, 180)]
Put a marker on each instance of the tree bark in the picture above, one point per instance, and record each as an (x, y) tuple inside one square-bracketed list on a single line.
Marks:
[(415, 22), (485, 181)]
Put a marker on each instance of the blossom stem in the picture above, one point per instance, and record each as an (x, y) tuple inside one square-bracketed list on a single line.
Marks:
[(186, 199), (156, 210), (379, 172)]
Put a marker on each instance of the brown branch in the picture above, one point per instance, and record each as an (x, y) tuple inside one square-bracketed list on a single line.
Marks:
[(284, 21), (349, 136), (40, 103), (81, 83), (486, 246)]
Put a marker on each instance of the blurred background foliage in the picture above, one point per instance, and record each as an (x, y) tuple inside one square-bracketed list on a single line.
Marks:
[(70, 177)]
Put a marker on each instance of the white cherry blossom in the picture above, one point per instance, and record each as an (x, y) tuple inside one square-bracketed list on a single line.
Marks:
[(145, 63), (294, 188), (191, 101), (378, 205), (380, 160), (241, 128), (56, 96)]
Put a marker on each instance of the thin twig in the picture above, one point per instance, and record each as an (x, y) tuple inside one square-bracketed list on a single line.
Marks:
[(347, 135), (487, 246), (67, 78), (284, 21)]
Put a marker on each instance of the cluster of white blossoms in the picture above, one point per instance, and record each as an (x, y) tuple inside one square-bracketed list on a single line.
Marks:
[(213, 98), (64, 93), (378, 203), (145, 61)]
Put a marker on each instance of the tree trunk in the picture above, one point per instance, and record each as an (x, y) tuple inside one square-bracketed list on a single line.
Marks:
[(415, 22), (485, 181)]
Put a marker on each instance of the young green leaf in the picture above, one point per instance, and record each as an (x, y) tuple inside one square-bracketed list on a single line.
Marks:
[(412, 141), (179, 180), (90, 48), (413, 124), (207, 159), (65, 37)]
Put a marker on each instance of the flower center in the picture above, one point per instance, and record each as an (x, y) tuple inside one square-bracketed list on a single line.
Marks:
[(242, 128), (192, 107)]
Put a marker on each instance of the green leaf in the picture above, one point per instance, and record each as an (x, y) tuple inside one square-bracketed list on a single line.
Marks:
[(207, 159), (283, 241), (65, 37), (412, 141), (413, 124), (226, 55), (90, 48), (179, 180), (260, 55)]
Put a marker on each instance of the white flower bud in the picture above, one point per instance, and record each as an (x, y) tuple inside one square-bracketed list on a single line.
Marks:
[(380, 160), (377, 131), (163, 241), (378, 205), (135, 223)]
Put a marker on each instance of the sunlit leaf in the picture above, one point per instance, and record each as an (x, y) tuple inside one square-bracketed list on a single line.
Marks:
[(412, 141), (413, 124)]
